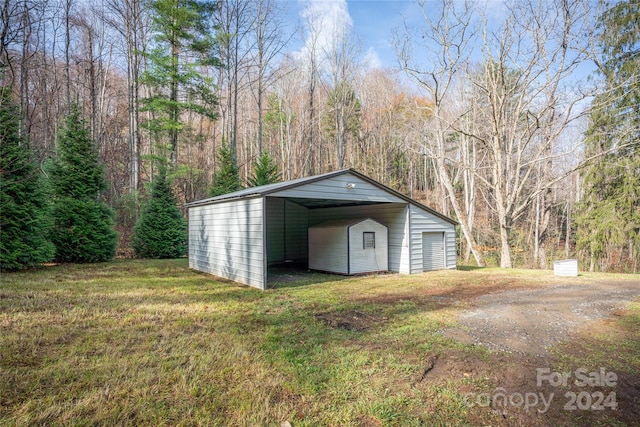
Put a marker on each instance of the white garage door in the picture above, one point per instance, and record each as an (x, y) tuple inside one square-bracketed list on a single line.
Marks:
[(432, 251)]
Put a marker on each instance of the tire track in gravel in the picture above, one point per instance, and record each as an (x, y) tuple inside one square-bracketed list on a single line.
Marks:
[(531, 321)]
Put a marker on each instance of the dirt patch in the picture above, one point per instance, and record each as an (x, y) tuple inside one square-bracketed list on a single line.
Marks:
[(453, 295), (530, 321), (368, 421), (349, 320), (430, 363), (545, 328), (511, 395)]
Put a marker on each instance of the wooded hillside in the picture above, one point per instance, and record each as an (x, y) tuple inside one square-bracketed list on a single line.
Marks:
[(495, 120)]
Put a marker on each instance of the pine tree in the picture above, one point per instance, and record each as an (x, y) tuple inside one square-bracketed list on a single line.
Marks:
[(265, 171), (24, 206), (609, 215), (227, 178), (161, 230), (183, 44), (83, 229)]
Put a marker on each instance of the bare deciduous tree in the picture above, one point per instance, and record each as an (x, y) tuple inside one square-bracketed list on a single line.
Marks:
[(343, 64), (527, 104), (127, 17), (450, 35), (520, 103), (269, 39)]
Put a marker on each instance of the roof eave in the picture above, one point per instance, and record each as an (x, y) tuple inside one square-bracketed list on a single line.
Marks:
[(215, 200), (311, 180), (218, 199)]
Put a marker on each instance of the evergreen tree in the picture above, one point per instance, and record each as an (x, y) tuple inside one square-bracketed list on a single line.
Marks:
[(161, 230), (609, 215), (83, 224), (182, 45), (227, 178), (265, 171), (24, 204)]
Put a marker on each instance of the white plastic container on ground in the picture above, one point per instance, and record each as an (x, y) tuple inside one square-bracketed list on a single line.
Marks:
[(566, 267)]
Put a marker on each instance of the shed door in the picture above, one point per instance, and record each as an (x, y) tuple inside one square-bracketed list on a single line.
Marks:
[(432, 251)]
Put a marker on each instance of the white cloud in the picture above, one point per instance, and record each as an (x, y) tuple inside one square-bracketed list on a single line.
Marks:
[(372, 59), (324, 21)]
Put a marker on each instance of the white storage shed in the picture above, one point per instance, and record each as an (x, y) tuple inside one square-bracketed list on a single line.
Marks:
[(349, 246), (239, 235)]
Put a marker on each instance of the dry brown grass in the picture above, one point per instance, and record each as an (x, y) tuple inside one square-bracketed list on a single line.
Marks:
[(154, 343)]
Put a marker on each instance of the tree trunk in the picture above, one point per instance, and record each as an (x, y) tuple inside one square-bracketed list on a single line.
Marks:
[(260, 120), (24, 71), (173, 95), (462, 218), (543, 232), (92, 85), (312, 117), (536, 233), (567, 238), (505, 250), (67, 57)]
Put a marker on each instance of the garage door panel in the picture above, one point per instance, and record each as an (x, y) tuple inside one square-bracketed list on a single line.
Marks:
[(433, 251)]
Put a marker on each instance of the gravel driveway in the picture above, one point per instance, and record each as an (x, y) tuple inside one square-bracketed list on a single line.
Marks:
[(530, 321)]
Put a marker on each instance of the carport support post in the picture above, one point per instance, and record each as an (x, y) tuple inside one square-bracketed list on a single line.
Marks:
[(264, 243), (409, 239), (456, 234)]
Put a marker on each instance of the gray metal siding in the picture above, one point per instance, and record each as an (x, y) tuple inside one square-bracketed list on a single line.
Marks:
[(275, 230), (296, 225), (392, 215), (368, 260), (287, 225), (424, 222), (227, 240), (335, 188)]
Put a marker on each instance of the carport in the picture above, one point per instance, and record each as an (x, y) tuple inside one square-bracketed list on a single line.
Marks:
[(239, 235)]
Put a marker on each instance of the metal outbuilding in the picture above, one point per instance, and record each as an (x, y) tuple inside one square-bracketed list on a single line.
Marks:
[(239, 235)]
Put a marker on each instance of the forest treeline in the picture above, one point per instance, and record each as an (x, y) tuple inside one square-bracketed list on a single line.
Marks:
[(493, 117)]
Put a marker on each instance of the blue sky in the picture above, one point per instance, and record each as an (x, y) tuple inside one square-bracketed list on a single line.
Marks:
[(372, 22)]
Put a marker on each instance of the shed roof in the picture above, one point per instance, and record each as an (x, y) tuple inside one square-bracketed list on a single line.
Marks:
[(339, 223), (265, 190)]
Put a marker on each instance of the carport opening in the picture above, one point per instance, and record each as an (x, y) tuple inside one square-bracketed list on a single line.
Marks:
[(288, 220), (288, 273)]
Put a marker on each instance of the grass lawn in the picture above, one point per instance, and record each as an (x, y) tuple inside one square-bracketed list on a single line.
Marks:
[(154, 343)]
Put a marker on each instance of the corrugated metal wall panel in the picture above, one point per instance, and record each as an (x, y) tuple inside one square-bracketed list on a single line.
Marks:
[(392, 215), (226, 240), (424, 222), (287, 225), (275, 230), (296, 225), (336, 188)]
